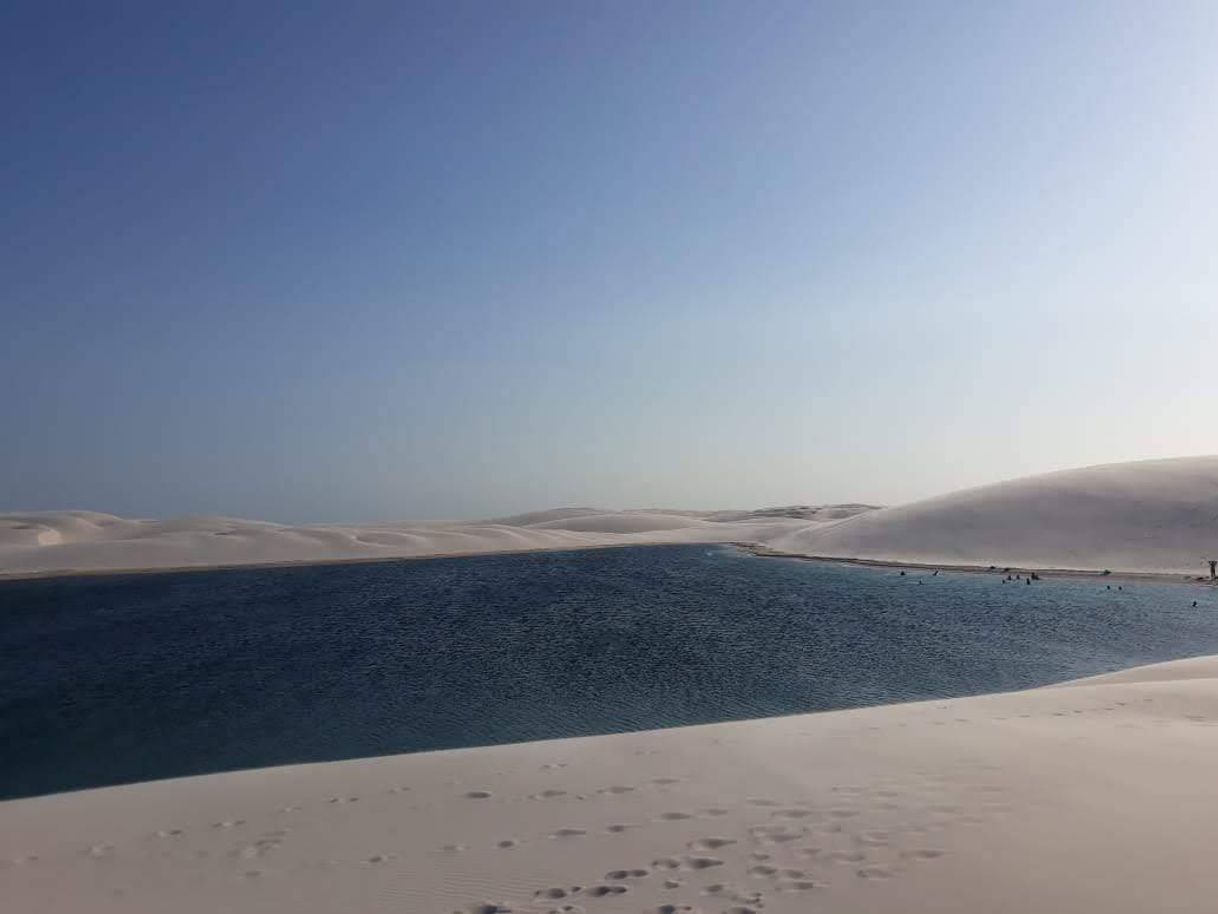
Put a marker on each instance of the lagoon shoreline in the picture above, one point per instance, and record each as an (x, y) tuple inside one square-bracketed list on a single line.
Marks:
[(760, 550), (1019, 801)]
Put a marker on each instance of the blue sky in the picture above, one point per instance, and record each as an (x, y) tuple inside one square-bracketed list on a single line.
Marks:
[(385, 260)]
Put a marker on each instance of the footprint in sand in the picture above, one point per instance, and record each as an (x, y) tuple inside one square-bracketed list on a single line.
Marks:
[(619, 827), (847, 857), (228, 823), (619, 875), (262, 846), (569, 833), (548, 795), (508, 842), (874, 839), (923, 854), (710, 844), (775, 834), (685, 863), (664, 782), (793, 813), (675, 816), (601, 891), (874, 872), (169, 832), (616, 789), (798, 885), (478, 795)]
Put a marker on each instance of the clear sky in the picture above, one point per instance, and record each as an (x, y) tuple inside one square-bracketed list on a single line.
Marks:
[(344, 261)]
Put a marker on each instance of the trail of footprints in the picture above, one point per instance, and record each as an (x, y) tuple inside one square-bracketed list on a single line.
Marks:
[(789, 829), (828, 834)]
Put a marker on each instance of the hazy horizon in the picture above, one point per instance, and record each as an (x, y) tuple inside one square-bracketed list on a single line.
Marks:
[(455, 260)]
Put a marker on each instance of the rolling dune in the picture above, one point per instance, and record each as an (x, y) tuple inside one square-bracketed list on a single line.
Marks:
[(1149, 516), (81, 541)]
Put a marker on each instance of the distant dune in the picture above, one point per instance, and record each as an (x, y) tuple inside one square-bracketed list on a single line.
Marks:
[(819, 513), (1151, 516), (76, 541)]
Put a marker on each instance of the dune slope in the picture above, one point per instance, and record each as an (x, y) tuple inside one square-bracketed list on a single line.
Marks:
[(1097, 796), (1153, 516)]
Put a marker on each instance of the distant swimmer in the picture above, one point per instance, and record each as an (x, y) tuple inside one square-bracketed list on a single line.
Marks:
[(1194, 603), (902, 574), (1028, 581)]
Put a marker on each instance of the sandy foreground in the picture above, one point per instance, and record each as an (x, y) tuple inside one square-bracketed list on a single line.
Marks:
[(1095, 796)]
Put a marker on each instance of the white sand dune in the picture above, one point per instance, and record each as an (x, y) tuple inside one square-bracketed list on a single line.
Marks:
[(1148, 516), (1097, 796), (626, 522), (818, 513), (1158, 516), (76, 541), (542, 517)]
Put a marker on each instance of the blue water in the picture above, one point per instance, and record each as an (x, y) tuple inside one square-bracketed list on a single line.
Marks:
[(122, 678)]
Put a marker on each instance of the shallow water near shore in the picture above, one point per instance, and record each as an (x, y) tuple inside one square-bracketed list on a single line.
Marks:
[(124, 678)]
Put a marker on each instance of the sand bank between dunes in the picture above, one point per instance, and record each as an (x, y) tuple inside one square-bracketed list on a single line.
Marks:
[(1092, 796)]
